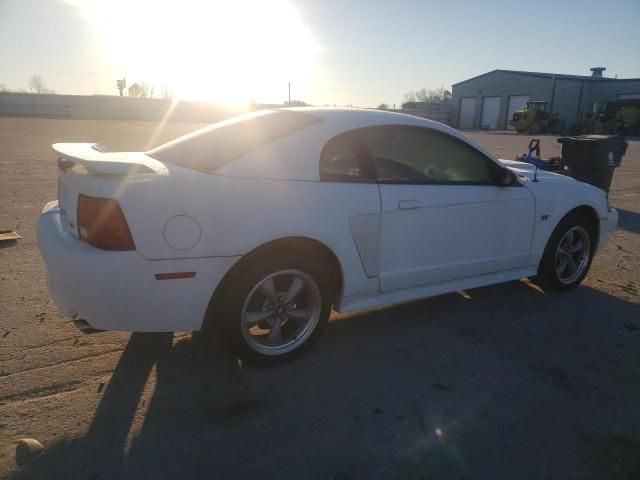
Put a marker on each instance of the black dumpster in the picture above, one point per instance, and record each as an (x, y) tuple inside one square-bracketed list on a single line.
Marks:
[(592, 158)]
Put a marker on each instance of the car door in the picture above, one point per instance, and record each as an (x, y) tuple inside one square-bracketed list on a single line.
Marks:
[(345, 159), (444, 215)]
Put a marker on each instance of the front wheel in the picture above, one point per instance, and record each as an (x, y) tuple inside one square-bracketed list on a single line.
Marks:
[(275, 308), (568, 254)]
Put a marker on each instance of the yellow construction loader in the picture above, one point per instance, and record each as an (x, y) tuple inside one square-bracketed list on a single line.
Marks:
[(536, 118), (608, 118)]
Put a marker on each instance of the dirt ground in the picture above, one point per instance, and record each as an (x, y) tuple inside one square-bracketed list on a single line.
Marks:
[(498, 382)]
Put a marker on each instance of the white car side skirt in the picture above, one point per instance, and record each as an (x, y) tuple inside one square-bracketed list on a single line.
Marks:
[(359, 302)]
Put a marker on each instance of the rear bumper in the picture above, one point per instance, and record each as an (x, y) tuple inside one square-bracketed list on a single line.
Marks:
[(608, 225), (119, 290)]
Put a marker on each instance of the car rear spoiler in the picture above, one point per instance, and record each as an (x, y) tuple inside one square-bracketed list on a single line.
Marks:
[(98, 162)]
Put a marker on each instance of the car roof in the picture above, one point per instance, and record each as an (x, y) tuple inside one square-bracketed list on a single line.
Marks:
[(349, 118), (369, 116), (296, 156)]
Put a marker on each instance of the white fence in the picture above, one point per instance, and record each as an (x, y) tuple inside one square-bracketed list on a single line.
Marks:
[(105, 107)]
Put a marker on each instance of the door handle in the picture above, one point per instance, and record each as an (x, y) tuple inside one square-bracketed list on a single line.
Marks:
[(408, 204)]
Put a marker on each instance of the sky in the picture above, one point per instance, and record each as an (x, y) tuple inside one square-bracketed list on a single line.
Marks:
[(333, 52)]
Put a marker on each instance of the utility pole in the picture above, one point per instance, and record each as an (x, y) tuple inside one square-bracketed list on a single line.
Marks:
[(553, 93), (289, 93)]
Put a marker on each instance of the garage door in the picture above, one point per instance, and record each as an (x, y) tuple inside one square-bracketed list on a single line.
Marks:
[(516, 102), (490, 112), (467, 112)]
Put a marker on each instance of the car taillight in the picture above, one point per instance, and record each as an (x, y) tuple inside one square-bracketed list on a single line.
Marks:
[(101, 223)]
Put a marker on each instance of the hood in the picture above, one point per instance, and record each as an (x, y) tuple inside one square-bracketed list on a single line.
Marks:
[(527, 171)]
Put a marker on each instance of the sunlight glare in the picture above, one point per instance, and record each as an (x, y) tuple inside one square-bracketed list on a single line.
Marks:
[(228, 52)]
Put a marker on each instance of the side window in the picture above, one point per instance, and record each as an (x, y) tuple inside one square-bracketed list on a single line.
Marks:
[(346, 158), (211, 147), (420, 155)]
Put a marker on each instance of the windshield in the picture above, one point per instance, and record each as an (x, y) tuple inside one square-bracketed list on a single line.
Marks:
[(212, 147)]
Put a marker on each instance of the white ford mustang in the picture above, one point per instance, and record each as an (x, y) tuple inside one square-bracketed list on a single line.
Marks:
[(256, 226)]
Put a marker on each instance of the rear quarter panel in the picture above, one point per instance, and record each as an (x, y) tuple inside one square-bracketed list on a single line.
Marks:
[(236, 215)]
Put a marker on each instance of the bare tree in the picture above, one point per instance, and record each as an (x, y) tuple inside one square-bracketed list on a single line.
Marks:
[(410, 97), (165, 92), (436, 95), (4, 88), (147, 89), (295, 103), (383, 106), (37, 85), (142, 89), (135, 91)]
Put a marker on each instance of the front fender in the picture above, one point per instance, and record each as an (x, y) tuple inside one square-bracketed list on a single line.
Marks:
[(554, 200)]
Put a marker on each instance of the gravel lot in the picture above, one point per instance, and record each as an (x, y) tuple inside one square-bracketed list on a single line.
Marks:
[(497, 382)]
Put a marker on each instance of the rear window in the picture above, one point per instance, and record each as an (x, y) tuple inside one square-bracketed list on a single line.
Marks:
[(212, 147)]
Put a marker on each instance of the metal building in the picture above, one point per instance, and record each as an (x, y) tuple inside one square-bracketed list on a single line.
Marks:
[(489, 100)]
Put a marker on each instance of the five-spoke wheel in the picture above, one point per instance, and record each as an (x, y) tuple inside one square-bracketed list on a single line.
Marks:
[(281, 311), (568, 254), (572, 255), (273, 307)]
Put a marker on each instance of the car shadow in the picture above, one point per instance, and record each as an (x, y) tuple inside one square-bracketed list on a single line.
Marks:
[(429, 389), (7, 243), (628, 220)]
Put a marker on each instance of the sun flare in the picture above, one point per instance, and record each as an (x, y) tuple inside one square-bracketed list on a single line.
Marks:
[(227, 52)]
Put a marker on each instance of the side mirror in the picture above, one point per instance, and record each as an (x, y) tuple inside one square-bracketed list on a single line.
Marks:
[(504, 177)]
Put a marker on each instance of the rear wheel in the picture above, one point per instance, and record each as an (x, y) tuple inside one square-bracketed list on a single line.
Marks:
[(558, 128), (535, 128), (274, 308), (618, 128), (575, 129), (598, 128), (568, 255)]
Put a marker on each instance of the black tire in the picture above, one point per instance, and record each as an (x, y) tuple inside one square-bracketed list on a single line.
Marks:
[(598, 128), (558, 128), (574, 129), (618, 128), (547, 276), (535, 128), (227, 305)]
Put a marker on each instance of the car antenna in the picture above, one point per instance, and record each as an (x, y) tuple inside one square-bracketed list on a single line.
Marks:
[(534, 144)]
